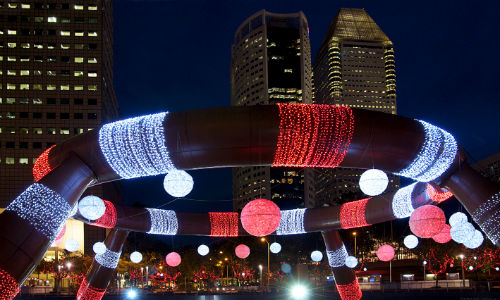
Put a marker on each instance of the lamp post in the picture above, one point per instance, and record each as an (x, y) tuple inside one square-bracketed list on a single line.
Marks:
[(260, 270), (424, 263), (354, 234), (463, 272), (268, 246)]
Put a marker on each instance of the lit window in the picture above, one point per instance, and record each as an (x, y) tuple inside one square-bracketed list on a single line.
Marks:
[(288, 71), (25, 45), (25, 5), (11, 45), (78, 73), (11, 58), (11, 86), (51, 131), (79, 46), (24, 59), (78, 60), (51, 73), (79, 33), (23, 161), (24, 101), (12, 5), (38, 46), (52, 19), (24, 130), (92, 33), (78, 87), (92, 60), (92, 74), (24, 86), (65, 87), (64, 131), (37, 130), (11, 72), (93, 87), (65, 33), (37, 87), (51, 87), (37, 101), (11, 100), (78, 7), (37, 72), (11, 31), (92, 7), (65, 46), (51, 46), (38, 19), (65, 20), (9, 160), (11, 115)]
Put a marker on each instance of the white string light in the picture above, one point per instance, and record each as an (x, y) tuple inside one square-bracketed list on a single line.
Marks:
[(136, 257), (43, 208), (351, 261), (275, 248), (461, 232), (178, 183), (292, 222), (402, 206), (108, 259), (91, 207), (487, 216), (336, 258), (457, 218), (410, 241), (163, 221), (203, 250), (476, 240), (136, 147), (316, 255)]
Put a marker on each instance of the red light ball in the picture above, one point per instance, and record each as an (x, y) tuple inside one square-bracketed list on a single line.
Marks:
[(260, 217), (242, 251), (427, 221), (444, 236), (385, 252), (173, 259)]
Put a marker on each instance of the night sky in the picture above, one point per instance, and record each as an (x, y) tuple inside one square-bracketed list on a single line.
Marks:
[(175, 55)]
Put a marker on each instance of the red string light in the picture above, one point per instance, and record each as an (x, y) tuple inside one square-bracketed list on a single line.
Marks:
[(42, 166), (438, 195), (108, 220), (223, 223), (350, 291), (313, 135), (88, 292), (352, 214), (9, 287)]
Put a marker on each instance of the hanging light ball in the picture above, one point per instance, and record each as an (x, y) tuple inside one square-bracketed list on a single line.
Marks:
[(178, 183), (457, 218), (275, 248), (476, 240), (351, 261), (91, 207), (99, 248), (461, 232), (410, 241), (373, 182), (136, 257), (444, 236), (316, 255), (203, 250), (385, 252), (242, 251), (71, 245), (260, 217), (286, 268), (427, 221), (173, 259)]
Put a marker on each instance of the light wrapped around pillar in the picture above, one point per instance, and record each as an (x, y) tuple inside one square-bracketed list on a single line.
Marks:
[(385, 252), (352, 214), (350, 291), (316, 255), (163, 221), (373, 182), (9, 287), (444, 236), (42, 166), (292, 222), (456, 218), (402, 206), (475, 241), (223, 224), (487, 216), (91, 207), (461, 232), (108, 259), (427, 221), (178, 183), (438, 195), (88, 292), (275, 248), (410, 241), (260, 217), (173, 259), (108, 219), (336, 258), (242, 251)]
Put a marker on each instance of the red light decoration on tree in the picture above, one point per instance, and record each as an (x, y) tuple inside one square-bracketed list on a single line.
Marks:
[(223, 223), (427, 221), (352, 214), (350, 291), (42, 166), (260, 217), (444, 236), (108, 220), (242, 251), (173, 259), (88, 292), (385, 252), (438, 194), (9, 287), (313, 135), (437, 263)]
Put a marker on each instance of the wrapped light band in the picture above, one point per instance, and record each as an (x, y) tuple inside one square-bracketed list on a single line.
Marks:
[(350, 291), (9, 287), (108, 259), (42, 166), (402, 202), (487, 216), (292, 222), (336, 258), (87, 292), (313, 135), (43, 208), (136, 147), (435, 156), (352, 214), (223, 223), (438, 195), (163, 221), (108, 220)]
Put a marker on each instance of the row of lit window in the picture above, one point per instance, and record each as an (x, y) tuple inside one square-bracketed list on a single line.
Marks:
[(76, 101), (64, 59), (49, 73), (50, 115), (22, 160), (26, 5), (52, 19), (54, 32), (48, 87), (38, 130), (50, 46)]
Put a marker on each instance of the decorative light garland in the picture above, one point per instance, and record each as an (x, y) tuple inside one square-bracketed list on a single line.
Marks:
[(178, 183), (435, 157), (135, 257), (352, 214), (163, 221), (203, 250), (487, 216), (42, 166), (88, 292), (9, 287), (351, 261), (136, 147), (350, 291), (260, 217), (373, 182), (461, 232), (402, 206), (313, 135), (108, 259), (292, 222), (410, 241), (475, 241), (317, 256), (108, 220), (456, 218), (336, 258), (438, 195), (43, 208), (427, 221), (223, 223), (91, 207), (275, 248)]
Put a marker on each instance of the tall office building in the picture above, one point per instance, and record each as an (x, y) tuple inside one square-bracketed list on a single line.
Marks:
[(489, 167), (271, 63), (56, 73), (354, 67)]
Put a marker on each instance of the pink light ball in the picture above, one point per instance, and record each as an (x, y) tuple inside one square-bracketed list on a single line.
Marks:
[(242, 251), (427, 221), (260, 217), (173, 259), (444, 236), (385, 252)]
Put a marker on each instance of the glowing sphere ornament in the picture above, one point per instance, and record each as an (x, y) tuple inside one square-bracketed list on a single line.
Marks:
[(203, 250), (173, 259), (410, 241), (461, 232), (373, 182), (476, 240), (385, 252), (71, 245), (457, 218), (91, 207), (316, 256), (178, 183), (260, 217), (275, 248), (136, 257), (351, 261), (444, 236), (286, 268), (242, 251), (99, 248), (427, 221)]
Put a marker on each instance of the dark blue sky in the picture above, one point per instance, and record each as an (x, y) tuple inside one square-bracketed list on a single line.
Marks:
[(175, 55)]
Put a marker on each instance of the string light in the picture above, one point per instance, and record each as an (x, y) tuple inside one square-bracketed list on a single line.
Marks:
[(178, 183), (351, 261), (373, 182), (438, 195), (461, 232), (43, 208), (275, 248), (91, 207), (88, 292), (427, 221), (292, 222), (71, 245), (260, 217), (352, 214), (99, 248), (336, 258), (42, 166), (476, 240), (223, 224), (108, 259), (203, 250), (385, 252), (163, 221), (9, 287), (457, 218), (136, 257), (316, 255), (108, 219), (487, 216), (350, 291), (242, 251), (402, 206), (435, 157), (313, 135), (410, 241), (136, 147)]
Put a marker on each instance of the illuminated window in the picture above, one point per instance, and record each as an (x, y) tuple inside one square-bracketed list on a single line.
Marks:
[(92, 74), (11, 31), (25, 45), (92, 33), (25, 5), (65, 20), (51, 87), (37, 72), (11, 115), (11, 72), (24, 86), (78, 7), (65, 46), (11, 58), (11, 100), (78, 73), (92, 7), (37, 101), (24, 130), (37, 130), (37, 87), (12, 5), (77, 130), (51, 45), (92, 60), (78, 60), (79, 33), (65, 87), (38, 46), (24, 101), (51, 59), (38, 19), (9, 160), (23, 160), (52, 19), (79, 46), (92, 88), (78, 87), (11, 86), (65, 33), (11, 45), (64, 131), (51, 131)]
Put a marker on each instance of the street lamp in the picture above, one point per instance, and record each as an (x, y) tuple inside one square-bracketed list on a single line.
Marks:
[(268, 246), (424, 263), (463, 272), (260, 269), (354, 234)]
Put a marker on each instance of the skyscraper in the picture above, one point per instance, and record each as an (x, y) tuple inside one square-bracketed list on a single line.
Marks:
[(354, 67), (56, 75), (271, 63)]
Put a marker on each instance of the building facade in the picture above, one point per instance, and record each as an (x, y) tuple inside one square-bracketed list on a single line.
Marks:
[(271, 63), (489, 168)]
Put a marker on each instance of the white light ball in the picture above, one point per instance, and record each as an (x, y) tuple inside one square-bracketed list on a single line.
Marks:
[(471, 268), (275, 248), (316, 255), (178, 183), (71, 245), (203, 250), (461, 232), (351, 261), (373, 182), (91, 207), (136, 257), (476, 240), (99, 248), (411, 241), (457, 218)]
